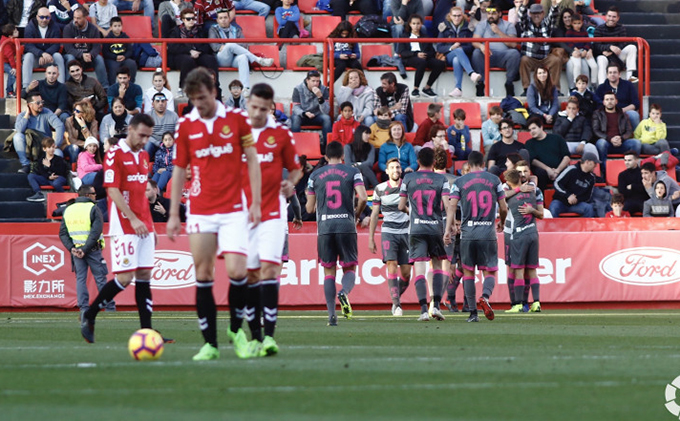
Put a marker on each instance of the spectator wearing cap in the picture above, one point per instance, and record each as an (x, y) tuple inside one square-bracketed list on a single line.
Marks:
[(164, 121), (534, 54), (311, 106), (234, 54), (574, 188), (186, 57), (159, 83)]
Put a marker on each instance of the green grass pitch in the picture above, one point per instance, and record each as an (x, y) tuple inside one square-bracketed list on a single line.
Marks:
[(557, 365)]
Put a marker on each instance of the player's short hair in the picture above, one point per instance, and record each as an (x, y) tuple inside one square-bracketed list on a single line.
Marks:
[(573, 100), (116, 19), (615, 65), (440, 159), (435, 129), (185, 12), (617, 198), (648, 166), (512, 176), (631, 152), (576, 17), (459, 114), (262, 90), (152, 183), (197, 78), (235, 82), (609, 93), (495, 110), (433, 109), (334, 150), (476, 159), (391, 160), (82, 10), (47, 142), (508, 122), (613, 9), (144, 119), (389, 77), (582, 78), (426, 157), (346, 104), (655, 107), (538, 121)]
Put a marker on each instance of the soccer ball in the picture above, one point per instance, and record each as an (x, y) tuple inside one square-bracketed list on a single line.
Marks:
[(146, 344)]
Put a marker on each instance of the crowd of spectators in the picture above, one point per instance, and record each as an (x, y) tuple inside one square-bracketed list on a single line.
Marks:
[(375, 123)]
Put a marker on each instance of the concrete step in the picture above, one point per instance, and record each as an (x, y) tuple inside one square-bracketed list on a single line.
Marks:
[(638, 18), (671, 117), (664, 61), (23, 209), (658, 75), (626, 6), (665, 87), (669, 102), (654, 31), (663, 46), (14, 194), (13, 180), (8, 165)]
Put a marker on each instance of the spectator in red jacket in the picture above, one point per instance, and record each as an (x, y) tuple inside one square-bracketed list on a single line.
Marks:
[(343, 129), (9, 53), (434, 116)]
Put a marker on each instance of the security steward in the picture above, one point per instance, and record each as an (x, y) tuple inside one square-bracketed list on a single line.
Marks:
[(81, 234)]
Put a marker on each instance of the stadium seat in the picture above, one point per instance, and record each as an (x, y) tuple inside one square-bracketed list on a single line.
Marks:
[(420, 111), (308, 7), (279, 106), (353, 19), (322, 26), (180, 107), (410, 136), (54, 198), (473, 113), (488, 107), (269, 51), (523, 136), (548, 197), (276, 26), (457, 166), (308, 144), (294, 52), (253, 26), (137, 26), (614, 168), (372, 50)]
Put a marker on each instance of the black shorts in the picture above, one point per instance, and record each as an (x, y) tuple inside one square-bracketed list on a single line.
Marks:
[(480, 253), (336, 247), (423, 247), (395, 248), (524, 252)]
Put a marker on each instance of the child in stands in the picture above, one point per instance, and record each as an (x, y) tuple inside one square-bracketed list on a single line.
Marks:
[(617, 207), (343, 129), (458, 135), (380, 130)]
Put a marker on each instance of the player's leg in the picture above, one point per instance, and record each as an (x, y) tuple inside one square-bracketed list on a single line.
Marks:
[(328, 257), (488, 258), (439, 279), (518, 291), (349, 258), (420, 271), (203, 248), (124, 257), (532, 265), (510, 273), (455, 274), (393, 286), (403, 261), (253, 307), (145, 263), (467, 260), (270, 273)]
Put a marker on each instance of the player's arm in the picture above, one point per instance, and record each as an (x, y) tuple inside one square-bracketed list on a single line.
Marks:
[(310, 206), (255, 184), (375, 213), (503, 212), (137, 225), (362, 199), (288, 185), (403, 202), (450, 218), (173, 226)]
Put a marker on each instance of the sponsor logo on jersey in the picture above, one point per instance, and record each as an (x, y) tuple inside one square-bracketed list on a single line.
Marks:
[(226, 132), (266, 157), (128, 163), (418, 221), (338, 216), (141, 178), (480, 223), (214, 151), (195, 136), (109, 176), (644, 266)]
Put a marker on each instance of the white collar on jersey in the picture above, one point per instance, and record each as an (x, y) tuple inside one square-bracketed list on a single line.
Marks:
[(221, 111)]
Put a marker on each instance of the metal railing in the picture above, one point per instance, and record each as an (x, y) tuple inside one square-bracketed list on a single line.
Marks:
[(643, 48)]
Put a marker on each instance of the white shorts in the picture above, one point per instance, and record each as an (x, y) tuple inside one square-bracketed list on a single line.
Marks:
[(131, 252), (266, 243), (231, 229)]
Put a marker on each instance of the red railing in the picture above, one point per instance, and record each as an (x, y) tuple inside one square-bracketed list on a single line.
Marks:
[(642, 47), (327, 43)]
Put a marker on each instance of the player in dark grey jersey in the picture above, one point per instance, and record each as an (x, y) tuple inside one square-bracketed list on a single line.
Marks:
[(427, 195), (478, 193), (530, 280), (330, 190), (394, 234)]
